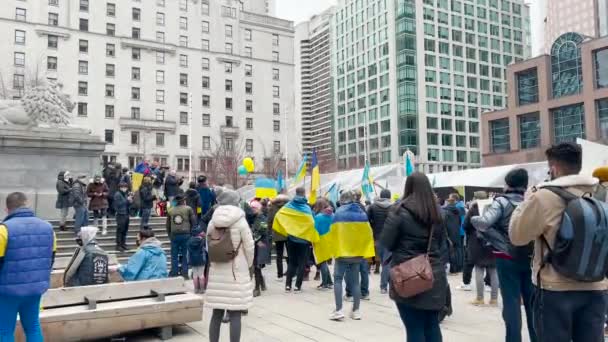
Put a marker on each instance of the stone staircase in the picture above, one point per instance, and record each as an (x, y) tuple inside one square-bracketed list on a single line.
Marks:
[(66, 243)]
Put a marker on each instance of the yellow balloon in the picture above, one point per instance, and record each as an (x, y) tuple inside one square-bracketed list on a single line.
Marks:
[(248, 164)]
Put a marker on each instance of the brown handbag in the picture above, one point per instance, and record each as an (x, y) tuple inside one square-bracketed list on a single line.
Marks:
[(413, 276)]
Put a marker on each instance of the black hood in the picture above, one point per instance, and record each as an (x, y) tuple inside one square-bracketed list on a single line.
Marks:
[(61, 175)]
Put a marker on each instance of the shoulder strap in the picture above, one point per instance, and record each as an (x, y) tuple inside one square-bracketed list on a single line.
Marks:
[(561, 192), (428, 247)]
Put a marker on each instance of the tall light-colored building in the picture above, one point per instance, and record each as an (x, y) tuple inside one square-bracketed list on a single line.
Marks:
[(313, 87), (163, 79), (586, 17), (418, 74)]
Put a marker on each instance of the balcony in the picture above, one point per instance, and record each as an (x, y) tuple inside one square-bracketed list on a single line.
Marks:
[(259, 19), (229, 131), (147, 125)]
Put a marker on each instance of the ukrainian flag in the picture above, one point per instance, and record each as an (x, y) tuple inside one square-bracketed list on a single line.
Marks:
[(367, 182), (295, 219), (350, 235), (301, 170), (315, 183), (323, 248), (265, 188)]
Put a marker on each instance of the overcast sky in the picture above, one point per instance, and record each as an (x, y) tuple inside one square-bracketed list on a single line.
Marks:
[(301, 10)]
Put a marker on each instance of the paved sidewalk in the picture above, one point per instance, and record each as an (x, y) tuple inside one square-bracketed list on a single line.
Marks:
[(279, 316)]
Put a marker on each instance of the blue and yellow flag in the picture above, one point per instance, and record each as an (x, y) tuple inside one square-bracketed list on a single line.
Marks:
[(315, 179), (409, 164), (280, 181), (301, 170), (295, 219), (333, 193), (367, 182), (350, 235), (265, 188), (323, 248)]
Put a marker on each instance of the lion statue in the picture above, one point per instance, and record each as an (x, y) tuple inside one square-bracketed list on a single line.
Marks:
[(43, 105)]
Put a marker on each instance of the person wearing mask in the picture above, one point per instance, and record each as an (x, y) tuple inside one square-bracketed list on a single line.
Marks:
[(377, 213), (564, 309), (181, 221), (206, 194), (353, 241), (78, 198), (25, 267), (64, 187), (452, 214), (412, 226), (512, 263), (89, 263), (193, 199), (480, 255), (280, 241), (261, 237), (171, 186), (147, 198), (149, 262), (324, 215), (122, 202), (98, 193), (229, 289)]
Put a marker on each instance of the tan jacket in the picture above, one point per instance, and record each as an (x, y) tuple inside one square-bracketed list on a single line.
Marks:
[(541, 214)]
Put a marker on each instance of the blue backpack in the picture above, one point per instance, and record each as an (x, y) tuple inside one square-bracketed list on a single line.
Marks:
[(580, 251)]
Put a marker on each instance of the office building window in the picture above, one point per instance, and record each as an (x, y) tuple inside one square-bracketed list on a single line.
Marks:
[(566, 66), (53, 19), (135, 33), (183, 140), (110, 9), (248, 52), (183, 118), (206, 120), (84, 5), (109, 111), (160, 96), (228, 67), (249, 123), (160, 76), (183, 61), (19, 82), (228, 85), (275, 40), (275, 74), (248, 70), (19, 59), (51, 63), (160, 19), (228, 31), (183, 80), (183, 99), (160, 139), (183, 41), (276, 125), (529, 131), (527, 87), (206, 101), (83, 88), (20, 14), (277, 146), (135, 74), (83, 46), (249, 105), (82, 109), (19, 37), (160, 115), (205, 82), (249, 145), (205, 63), (110, 70), (110, 50), (110, 29), (183, 5), (83, 25), (499, 135), (228, 48), (183, 23), (53, 2), (602, 116), (183, 164), (109, 136), (160, 36), (275, 91), (109, 90), (206, 143), (204, 8), (135, 93), (52, 42), (135, 113), (205, 27), (228, 121), (275, 56), (248, 88), (135, 54), (601, 68), (228, 144), (228, 103), (248, 34), (160, 57), (568, 123)]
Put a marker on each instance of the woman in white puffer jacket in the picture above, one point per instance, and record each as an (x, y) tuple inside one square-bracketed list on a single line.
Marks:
[(230, 286)]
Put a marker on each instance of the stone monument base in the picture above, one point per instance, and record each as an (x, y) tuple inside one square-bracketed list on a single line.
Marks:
[(31, 158)]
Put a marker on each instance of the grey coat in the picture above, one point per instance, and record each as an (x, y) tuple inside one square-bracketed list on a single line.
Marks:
[(63, 193), (78, 194)]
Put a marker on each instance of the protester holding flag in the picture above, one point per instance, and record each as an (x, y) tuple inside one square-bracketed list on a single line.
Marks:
[(295, 221), (324, 215), (351, 239), (301, 173), (315, 179)]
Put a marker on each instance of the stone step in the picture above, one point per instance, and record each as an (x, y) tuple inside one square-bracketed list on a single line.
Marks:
[(131, 235), (132, 222)]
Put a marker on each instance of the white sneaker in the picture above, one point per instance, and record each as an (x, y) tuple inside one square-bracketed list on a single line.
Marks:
[(487, 288), (348, 299), (465, 287), (336, 316), (356, 315), (104, 232)]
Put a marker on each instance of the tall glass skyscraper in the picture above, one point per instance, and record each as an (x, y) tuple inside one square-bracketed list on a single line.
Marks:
[(417, 75)]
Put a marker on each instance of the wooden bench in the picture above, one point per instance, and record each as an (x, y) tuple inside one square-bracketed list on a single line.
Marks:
[(62, 263), (111, 310)]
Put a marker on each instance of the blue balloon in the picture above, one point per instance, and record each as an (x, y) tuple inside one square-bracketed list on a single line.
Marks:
[(242, 170)]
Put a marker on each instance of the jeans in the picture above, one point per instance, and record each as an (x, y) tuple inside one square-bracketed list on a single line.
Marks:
[(516, 282), (81, 218), (122, 227), (29, 311), (350, 273), (384, 254), (64, 216), (480, 284), (420, 325), (216, 323), (325, 275), (145, 218), (298, 255), (99, 214), (280, 249), (569, 316), (364, 271), (179, 246), (467, 270)]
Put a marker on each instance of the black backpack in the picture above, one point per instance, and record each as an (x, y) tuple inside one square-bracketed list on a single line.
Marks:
[(580, 251)]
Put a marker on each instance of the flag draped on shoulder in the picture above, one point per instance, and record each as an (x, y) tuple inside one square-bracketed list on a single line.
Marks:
[(315, 182), (296, 219), (265, 188), (349, 235), (323, 248), (301, 173)]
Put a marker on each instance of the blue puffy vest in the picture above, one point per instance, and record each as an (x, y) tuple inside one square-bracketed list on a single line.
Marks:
[(28, 259)]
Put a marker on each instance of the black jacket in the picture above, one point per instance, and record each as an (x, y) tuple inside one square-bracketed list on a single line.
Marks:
[(193, 199), (477, 252), (452, 222), (407, 238), (63, 192), (121, 203), (377, 214), (171, 186), (146, 196)]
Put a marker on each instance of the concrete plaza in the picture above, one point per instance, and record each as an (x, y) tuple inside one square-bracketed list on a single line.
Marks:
[(287, 317)]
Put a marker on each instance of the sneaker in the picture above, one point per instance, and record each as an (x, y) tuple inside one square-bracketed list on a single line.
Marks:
[(337, 316), (365, 297), (494, 302), (297, 290), (287, 289), (256, 293), (321, 287), (279, 279), (478, 302), (348, 299), (104, 232), (383, 291), (330, 286), (464, 287), (488, 289), (356, 315)]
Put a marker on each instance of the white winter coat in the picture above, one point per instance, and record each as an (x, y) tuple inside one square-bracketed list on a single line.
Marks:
[(230, 286)]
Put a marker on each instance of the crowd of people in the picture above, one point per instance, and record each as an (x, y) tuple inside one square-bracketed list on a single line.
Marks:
[(540, 247)]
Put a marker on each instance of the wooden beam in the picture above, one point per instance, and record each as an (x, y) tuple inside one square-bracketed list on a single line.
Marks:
[(57, 277), (112, 291), (63, 262)]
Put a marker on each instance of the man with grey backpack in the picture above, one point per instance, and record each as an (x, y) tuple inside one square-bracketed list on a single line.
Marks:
[(570, 233)]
